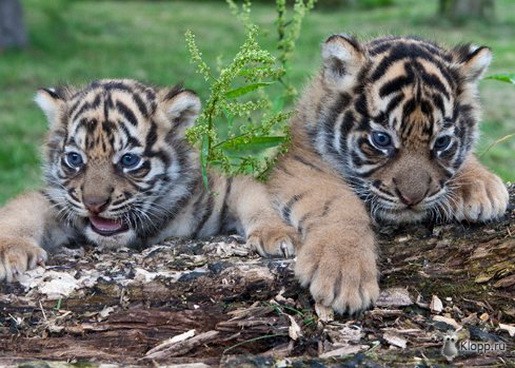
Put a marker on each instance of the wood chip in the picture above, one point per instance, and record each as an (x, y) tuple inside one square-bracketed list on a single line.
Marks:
[(182, 347), (395, 340), (394, 297), (448, 320), (505, 282), (343, 351), (173, 340)]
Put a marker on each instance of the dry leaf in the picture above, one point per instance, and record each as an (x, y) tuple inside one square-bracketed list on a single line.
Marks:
[(294, 331), (484, 317), (509, 328), (436, 305)]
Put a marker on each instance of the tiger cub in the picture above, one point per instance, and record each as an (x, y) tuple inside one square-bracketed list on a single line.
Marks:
[(384, 133), (119, 172)]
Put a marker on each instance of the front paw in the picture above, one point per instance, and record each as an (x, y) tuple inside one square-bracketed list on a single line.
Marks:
[(277, 239), (480, 199), (342, 276), (18, 255)]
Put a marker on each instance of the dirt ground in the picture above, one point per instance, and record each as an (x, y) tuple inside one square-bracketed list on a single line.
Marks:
[(216, 303)]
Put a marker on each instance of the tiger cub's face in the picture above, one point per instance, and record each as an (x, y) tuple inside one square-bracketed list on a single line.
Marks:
[(117, 163), (398, 118)]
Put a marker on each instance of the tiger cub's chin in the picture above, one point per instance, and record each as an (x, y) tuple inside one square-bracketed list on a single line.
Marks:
[(120, 172), (385, 131)]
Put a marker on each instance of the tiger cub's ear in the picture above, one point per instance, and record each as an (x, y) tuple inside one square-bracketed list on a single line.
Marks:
[(473, 61), (182, 108), (52, 102), (343, 58)]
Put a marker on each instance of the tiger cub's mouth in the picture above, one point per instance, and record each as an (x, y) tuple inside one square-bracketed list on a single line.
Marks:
[(107, 227)]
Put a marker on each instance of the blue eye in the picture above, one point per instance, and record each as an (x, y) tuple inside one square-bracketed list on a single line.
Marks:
[(74, 160), (442, 143), (381, 139), (130, 160)]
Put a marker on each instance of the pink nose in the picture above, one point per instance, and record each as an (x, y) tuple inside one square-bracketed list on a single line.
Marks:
[(410, 199), (95, 204)]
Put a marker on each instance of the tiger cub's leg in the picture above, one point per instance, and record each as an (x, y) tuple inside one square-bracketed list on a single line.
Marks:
[(336, 256), (477, 195), (22, 224), (250, 202)]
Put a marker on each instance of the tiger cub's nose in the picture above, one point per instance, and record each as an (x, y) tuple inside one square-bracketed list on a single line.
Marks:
[(95, 204), (410, 199)]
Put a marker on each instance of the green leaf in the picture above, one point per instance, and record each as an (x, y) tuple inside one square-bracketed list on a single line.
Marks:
[(237, 92), (246, 144), (503, 77)]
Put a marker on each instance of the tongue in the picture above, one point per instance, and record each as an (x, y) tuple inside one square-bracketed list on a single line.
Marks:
[(104, 224)]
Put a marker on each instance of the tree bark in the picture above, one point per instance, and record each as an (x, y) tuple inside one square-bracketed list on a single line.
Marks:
[(12, 27)]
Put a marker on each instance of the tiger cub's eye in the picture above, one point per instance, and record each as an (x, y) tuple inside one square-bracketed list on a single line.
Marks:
[(442, 143), (73, 160), (381, 140), (130, 160)]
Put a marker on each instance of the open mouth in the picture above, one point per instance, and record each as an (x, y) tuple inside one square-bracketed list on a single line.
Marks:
[(107, 227)]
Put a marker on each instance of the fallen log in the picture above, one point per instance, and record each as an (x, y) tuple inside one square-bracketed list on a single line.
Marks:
[(125, 307)]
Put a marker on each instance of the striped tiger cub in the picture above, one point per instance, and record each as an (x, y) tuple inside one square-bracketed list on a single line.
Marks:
[(384, 133), (119, 172)]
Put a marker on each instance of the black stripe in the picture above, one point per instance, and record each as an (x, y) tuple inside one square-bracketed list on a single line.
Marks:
[(130, 140), (127, 113), (396, 84), (286, 210), (398, 53), (223, 212), (342, 100), (305, 162), (151, 137), (301, 228), (326, 208), (86, 106), (207, 214), (141, 105), (394, 102)]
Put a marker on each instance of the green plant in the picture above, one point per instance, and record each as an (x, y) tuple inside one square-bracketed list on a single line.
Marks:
[(240, 122), (507, 78), (503, 77)]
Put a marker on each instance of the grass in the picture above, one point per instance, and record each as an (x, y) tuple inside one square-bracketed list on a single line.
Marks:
[(77, 41)]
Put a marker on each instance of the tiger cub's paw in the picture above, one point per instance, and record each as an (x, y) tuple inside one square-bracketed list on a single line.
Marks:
[(342, 276), (18, 255), (481, 198), (276, 239)]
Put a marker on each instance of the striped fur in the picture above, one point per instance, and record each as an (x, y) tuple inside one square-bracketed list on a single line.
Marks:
[(383, 133), (120, 172)]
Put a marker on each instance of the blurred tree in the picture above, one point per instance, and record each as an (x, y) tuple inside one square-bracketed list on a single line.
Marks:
[(12, 28), (466, 9)]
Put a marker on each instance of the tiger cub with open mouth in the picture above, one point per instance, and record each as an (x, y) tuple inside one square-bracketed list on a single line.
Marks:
[(120, 172)]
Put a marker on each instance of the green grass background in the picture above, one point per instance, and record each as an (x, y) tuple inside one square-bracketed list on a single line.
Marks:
[(77, 41)]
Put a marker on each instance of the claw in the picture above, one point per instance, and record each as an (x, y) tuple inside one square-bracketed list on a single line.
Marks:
[(287, 249)]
